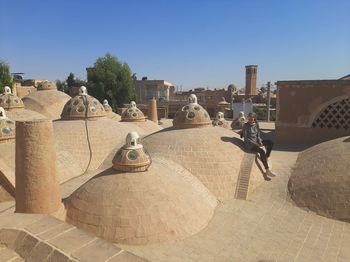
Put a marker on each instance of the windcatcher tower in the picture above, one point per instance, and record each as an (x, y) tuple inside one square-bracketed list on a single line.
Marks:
[(250, 79)]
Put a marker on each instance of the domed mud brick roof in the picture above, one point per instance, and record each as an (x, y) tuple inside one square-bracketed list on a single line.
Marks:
[(164, 203), (133, 114), (131, 157), (191, 115), (83, 106), (106, 106), (7, 127), (47, 85), (220, 121), (48, 102), (320, 180), (9, 101)]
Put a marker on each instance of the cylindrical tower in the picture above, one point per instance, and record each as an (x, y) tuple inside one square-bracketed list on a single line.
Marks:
[(152, 110), (37, 189), (250, 79)]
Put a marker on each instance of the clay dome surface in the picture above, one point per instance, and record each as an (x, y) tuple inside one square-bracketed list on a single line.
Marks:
[(212, 154), (88, 144), (7, 127), (191, 115), (164, 203), (133, 114), (83, 106), (9, 101), (49, 103), (320, 180)]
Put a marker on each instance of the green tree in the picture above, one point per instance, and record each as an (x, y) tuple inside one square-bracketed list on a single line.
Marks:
[(5, 76), (112, 80), (71, 81)]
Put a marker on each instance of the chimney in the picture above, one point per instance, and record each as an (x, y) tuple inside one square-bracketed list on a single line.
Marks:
[(152, 110), (37, 189)]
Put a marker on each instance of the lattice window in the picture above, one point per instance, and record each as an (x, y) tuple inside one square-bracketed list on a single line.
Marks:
[(336, 115)]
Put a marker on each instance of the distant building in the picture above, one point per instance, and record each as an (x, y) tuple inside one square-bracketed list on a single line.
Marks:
[(146, 89)]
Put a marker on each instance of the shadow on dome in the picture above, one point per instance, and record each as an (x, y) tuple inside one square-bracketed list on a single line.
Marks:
[(236, 141), (347, 139)]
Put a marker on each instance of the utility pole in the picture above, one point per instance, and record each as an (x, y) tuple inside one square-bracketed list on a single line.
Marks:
[(268, 100)]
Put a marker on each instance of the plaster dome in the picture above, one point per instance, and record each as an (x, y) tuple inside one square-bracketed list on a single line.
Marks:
[(109, 111), (163, 203), (131, 157), (106, 106), (220, 121), (48, 102), (320, 180), (7, 127), (47, 85), (9, 101), (133, 114), (223, 102), (82, 106), (214, 155), (191, 115)]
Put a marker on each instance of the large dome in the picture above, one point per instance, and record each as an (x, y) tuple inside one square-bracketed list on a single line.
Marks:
[(321, 179), (133, 114), (191, 115), (83, 106), (212, 154), (48, 102), (163, 203), (9, 101)]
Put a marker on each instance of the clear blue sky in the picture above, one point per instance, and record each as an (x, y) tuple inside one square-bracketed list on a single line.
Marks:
[(189, 43)]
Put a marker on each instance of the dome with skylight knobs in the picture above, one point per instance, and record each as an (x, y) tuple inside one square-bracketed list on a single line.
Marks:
[(131, 157), (47, 85), (83, 106), (191, 115), (220, 121), (7, 127), (133, 114), (9, 101)]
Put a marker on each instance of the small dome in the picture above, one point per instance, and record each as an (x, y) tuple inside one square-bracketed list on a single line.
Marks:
[(133, 114), (131, 157), (239, 122), (47, 85), (7, 127), (220, 121), (191, 115), (82, 106), (320, 180), (223, 101), (106, 106), (9, 101)]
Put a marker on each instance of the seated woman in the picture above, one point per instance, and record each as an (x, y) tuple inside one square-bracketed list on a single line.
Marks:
[(253, 141)]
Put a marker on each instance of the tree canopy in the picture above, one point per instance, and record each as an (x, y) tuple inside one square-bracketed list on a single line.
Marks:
[(5, 76), (112, 80)]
